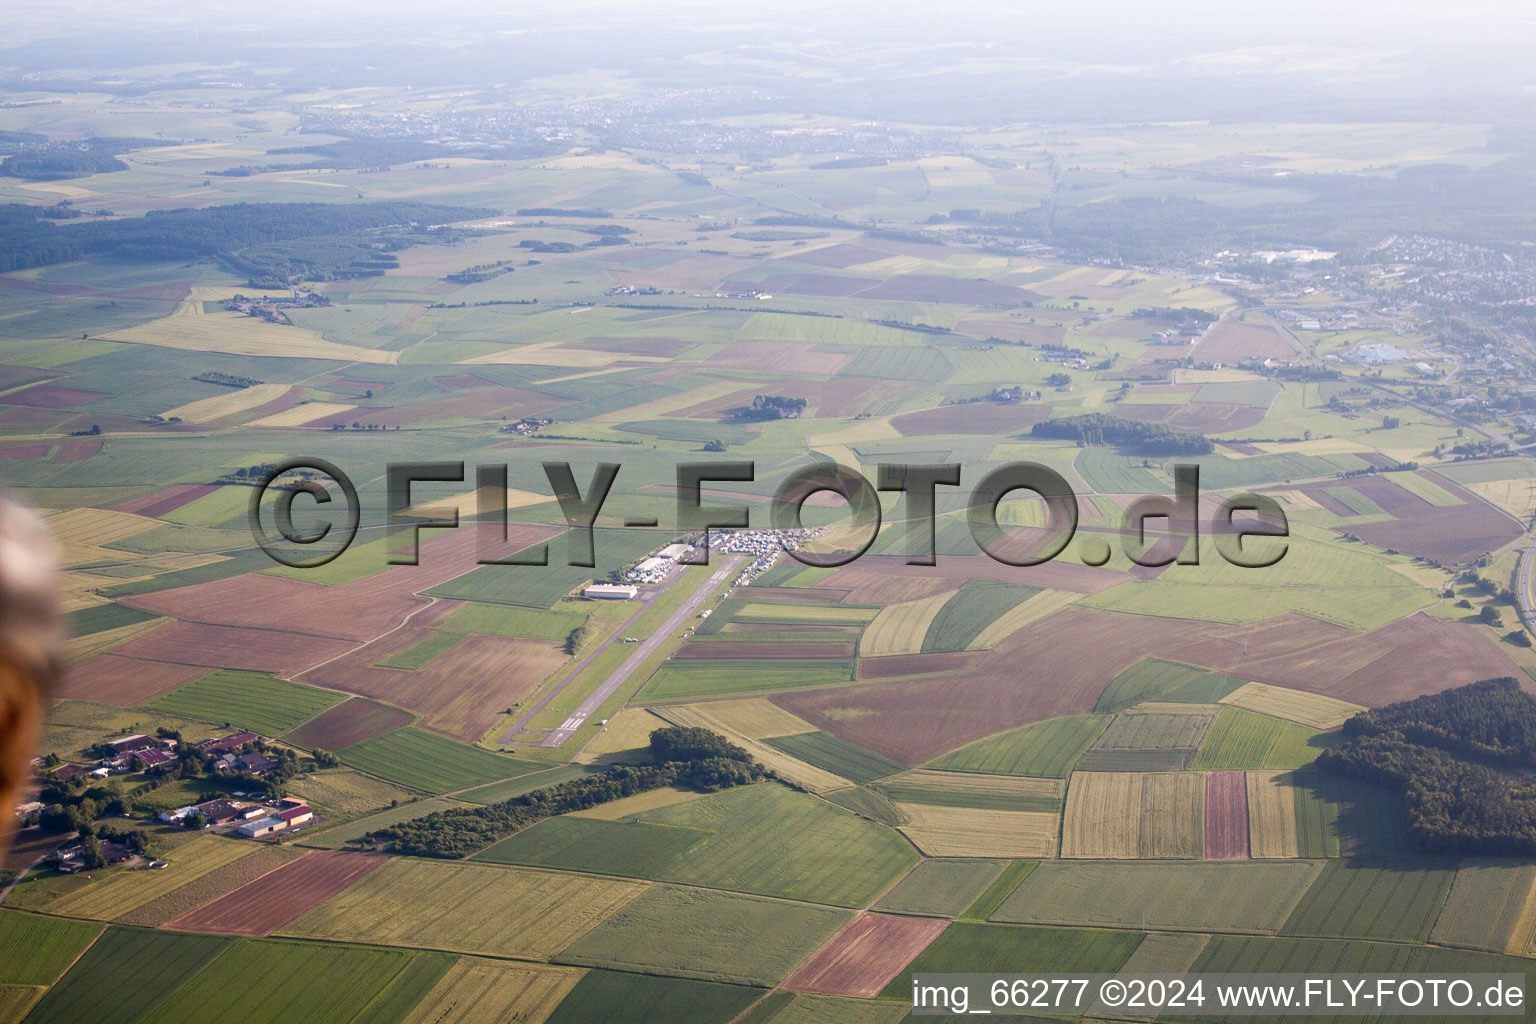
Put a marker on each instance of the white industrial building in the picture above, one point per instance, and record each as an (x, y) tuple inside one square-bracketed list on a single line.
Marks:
[(611, 591)]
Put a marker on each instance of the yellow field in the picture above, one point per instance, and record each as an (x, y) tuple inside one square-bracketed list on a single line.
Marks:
[(110, 899), (670, 404), (78, 648), (1172, 815), (626, 738), (1517, 497), (755, 718), (1031, 610), (96, 526), (1132, 815), (474, 503), (548, 353), (1424, 575), (1103, 815), (1316, 446), (617, 810), (299, 415), (876, 428), (978, 784), (476, 991), (16, 1000), (228, 404), (900, 628), (1523, 936), (817, 780), (1293, 705), (467, 908), (1431, 492), (191, 329), (1272, 830), (1295, 501), (968, 832)]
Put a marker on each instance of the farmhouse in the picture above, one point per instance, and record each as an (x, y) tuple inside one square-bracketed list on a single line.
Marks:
[(611, 591), (128, 744), (220, 811), (228, 743), (151, 758)]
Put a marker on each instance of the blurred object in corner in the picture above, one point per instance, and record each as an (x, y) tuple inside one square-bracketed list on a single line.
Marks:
[(31, 647)]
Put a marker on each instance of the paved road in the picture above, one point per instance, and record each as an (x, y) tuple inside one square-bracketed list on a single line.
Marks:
[(641, 653)]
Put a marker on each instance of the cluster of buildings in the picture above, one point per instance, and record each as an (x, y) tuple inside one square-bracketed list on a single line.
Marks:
[(247, 818), (271, 309), (141, 752), (764, 546), (655, 568)]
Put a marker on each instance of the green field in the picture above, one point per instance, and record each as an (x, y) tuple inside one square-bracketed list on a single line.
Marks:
[(973, 608), (632, 848), (419, 654), (1484, 905), (249, 700), (540, 586), (127, 971), (1242, 739), (323, 983), (496, 792), (1204, 896), (941, 888), (36, 950), (1155, 679), (866, 802), (835, 755), (691, 679), (710, 936), (993, 896), (1373, 900), (770, 840), (509, 620), (1043, 749), (427, 762), (613, 997), (983, 948)]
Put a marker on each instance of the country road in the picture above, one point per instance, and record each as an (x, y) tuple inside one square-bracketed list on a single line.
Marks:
[(641, 653)]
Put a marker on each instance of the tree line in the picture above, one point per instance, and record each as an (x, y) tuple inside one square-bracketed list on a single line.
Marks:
[(684, 756), (1449, 755), (1133, 435)]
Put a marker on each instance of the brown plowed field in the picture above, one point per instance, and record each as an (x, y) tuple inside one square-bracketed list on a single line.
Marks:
[(896, 666), (971, 418), (1214, 417), (359, 610), (1057, 666), (827, 285), (166, 500), (52, 396), (265, 650), (1226, 816), (460, 693), (1409, 658), (764, 650), (349, 722), (1233, 342), (78, 449), (862, 959), (127, 682), (271, 901), (1445, 533)]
